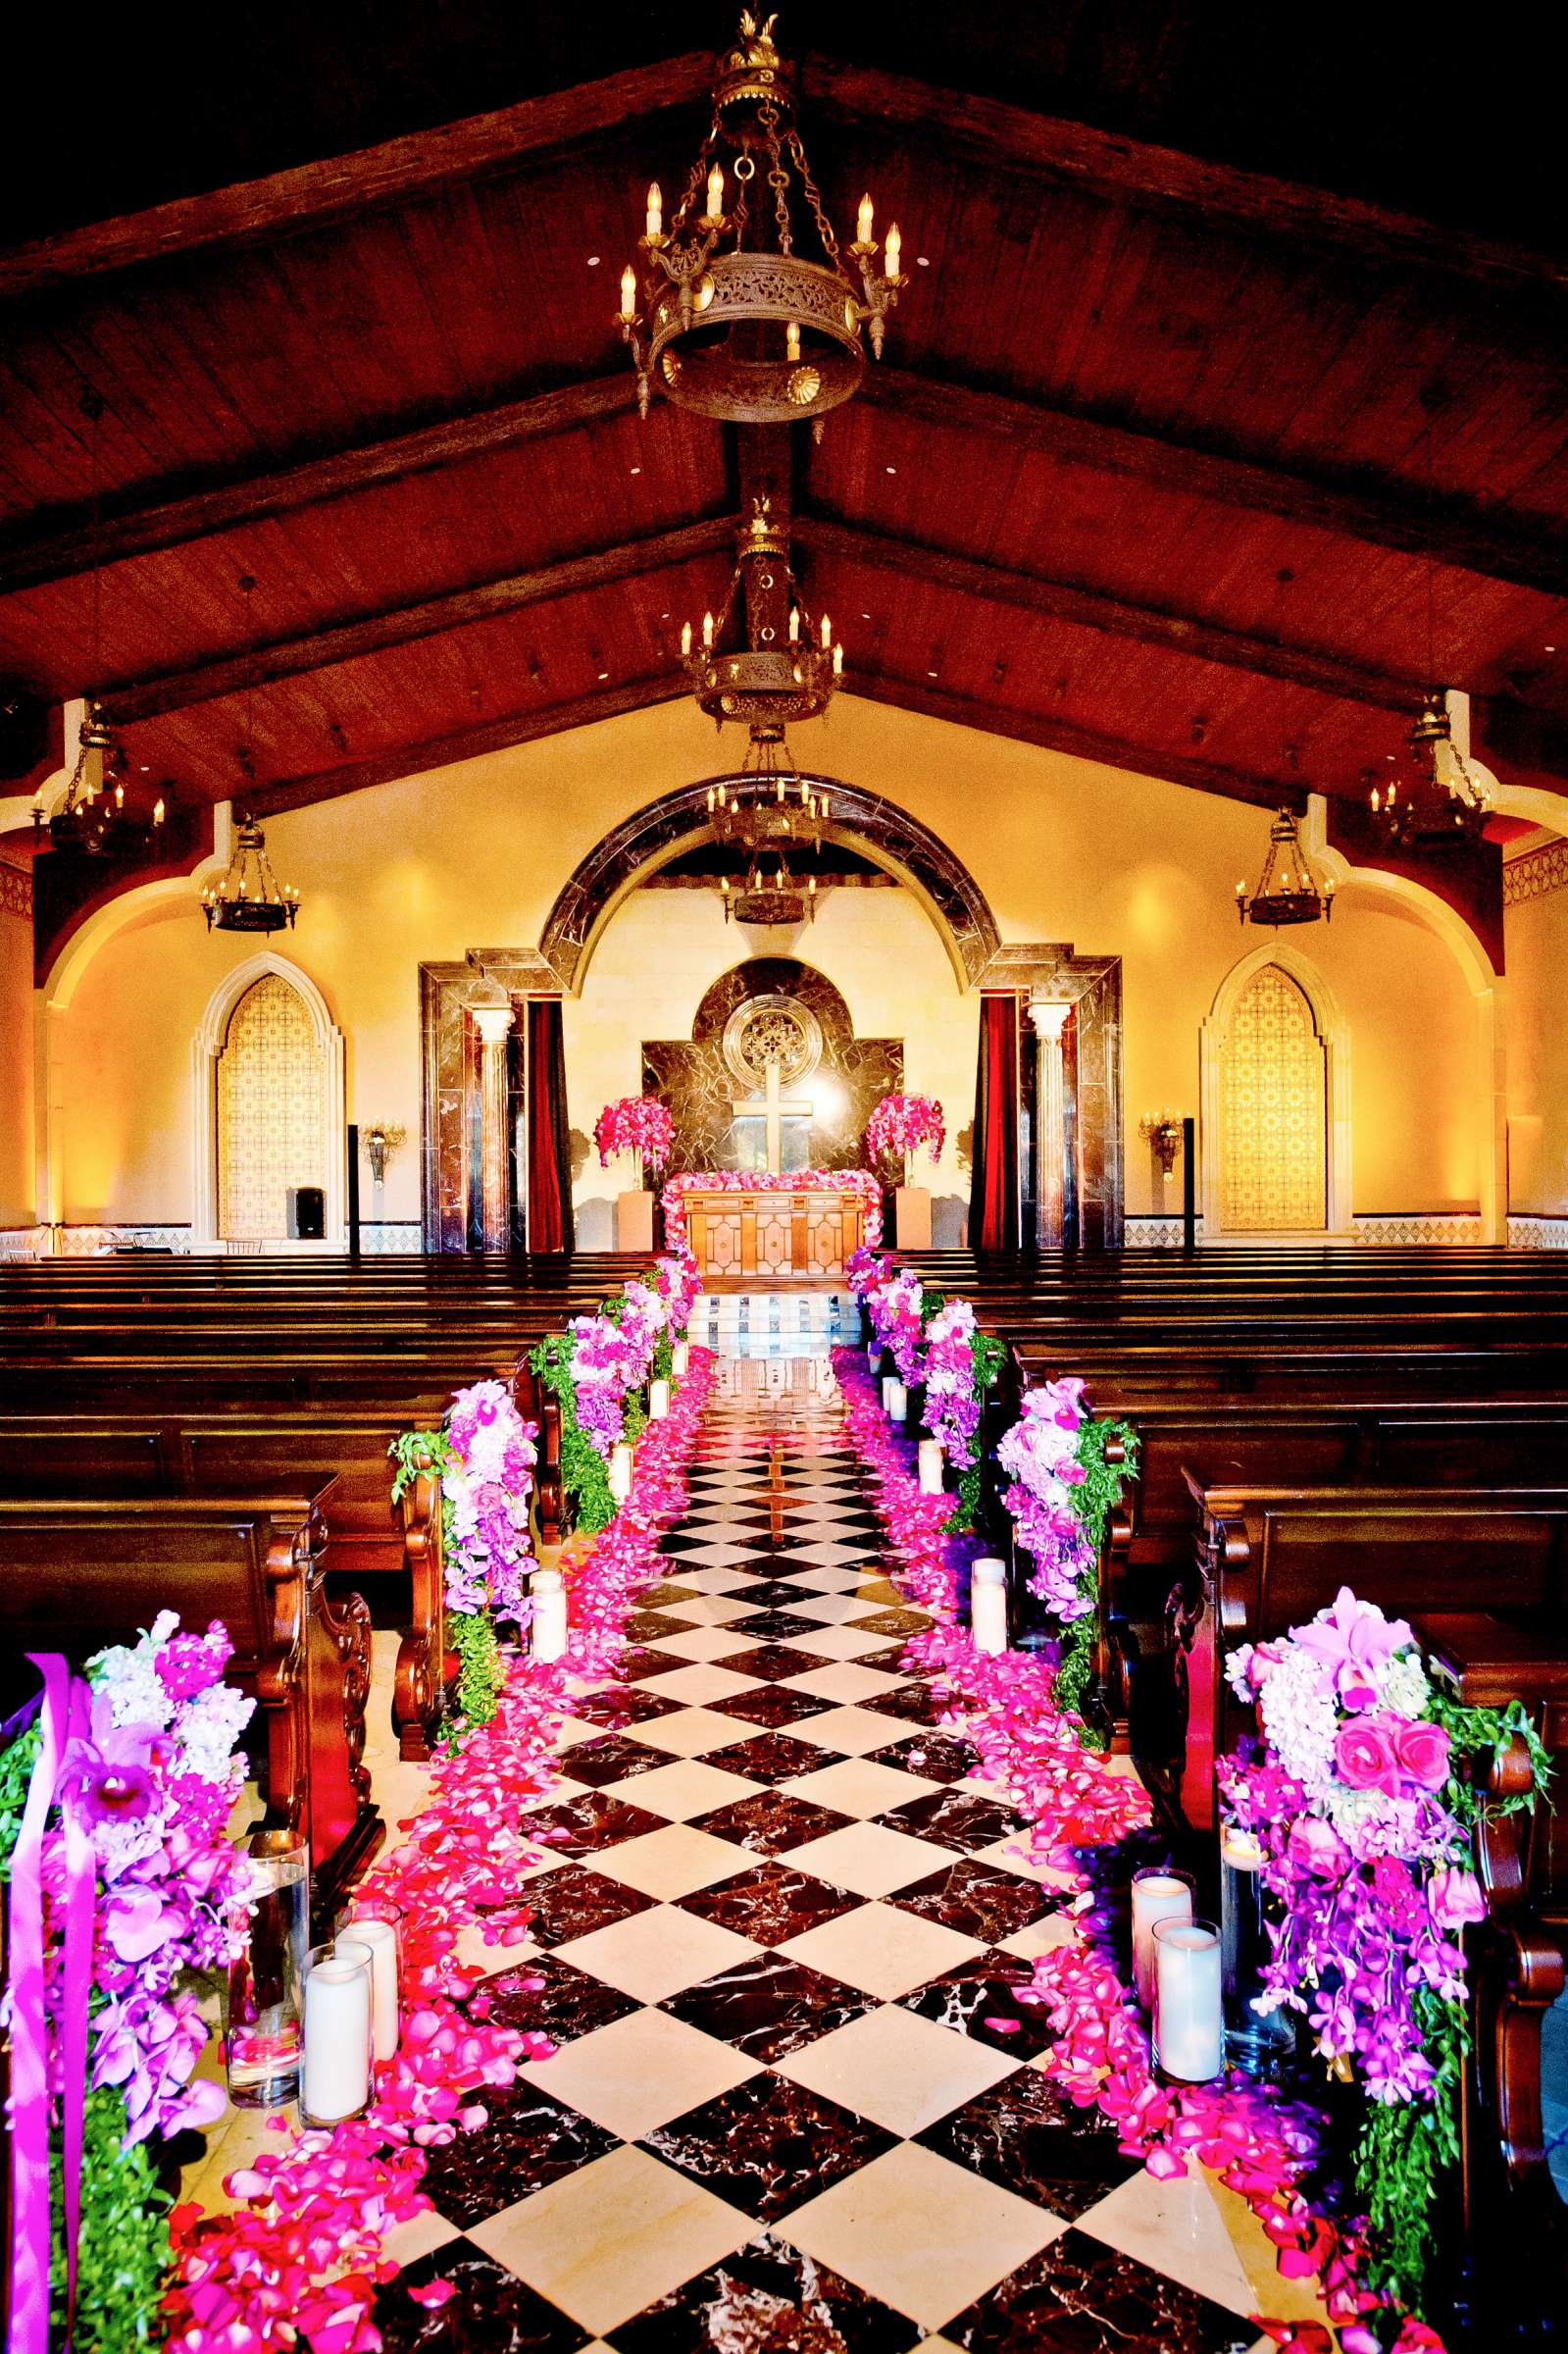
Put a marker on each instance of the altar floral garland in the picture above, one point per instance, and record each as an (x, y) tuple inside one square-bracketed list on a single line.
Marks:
[(1261, 2145), (637, 1124), (124, 1886), (859, 1182), (900, 1124), (299, 2260), (484, 1453), (1365, 1802), (1060, 1494)]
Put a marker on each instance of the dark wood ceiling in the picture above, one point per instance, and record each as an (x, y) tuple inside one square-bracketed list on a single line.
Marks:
[(1151, 471)]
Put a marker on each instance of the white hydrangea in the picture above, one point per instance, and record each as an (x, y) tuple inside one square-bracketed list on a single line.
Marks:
[(209, 1726), (136, 1691), (1299, 1716), (1405, 1688)]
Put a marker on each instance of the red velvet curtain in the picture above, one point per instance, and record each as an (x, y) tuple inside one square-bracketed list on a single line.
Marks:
[(550, 1226), (993, 1188)]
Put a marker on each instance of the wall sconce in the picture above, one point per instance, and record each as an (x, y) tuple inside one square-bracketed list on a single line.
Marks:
[(381, 1141), (1163, 1131)]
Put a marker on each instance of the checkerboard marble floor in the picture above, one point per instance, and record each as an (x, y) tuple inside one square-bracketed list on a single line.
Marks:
[(795, 2105)]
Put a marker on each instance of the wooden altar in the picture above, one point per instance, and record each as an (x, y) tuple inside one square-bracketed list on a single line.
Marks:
[(774, 1230)]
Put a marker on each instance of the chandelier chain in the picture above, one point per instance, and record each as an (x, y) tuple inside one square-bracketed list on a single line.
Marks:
[(698, 179), (830, 244)]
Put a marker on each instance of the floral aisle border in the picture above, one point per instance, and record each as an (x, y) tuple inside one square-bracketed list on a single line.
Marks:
[(598, 1368), (673, 1199), (1260, 2144), (299, 2260)]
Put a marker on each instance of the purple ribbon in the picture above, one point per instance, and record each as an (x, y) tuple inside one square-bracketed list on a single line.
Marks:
[(65, 1715)]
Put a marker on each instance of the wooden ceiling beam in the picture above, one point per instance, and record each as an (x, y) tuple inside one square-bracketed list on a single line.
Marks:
[(397, 172), (144, 528), (470, 743), (1453, 532), (1080, 743), (1119, 169), (1117, 617), (401, 624)]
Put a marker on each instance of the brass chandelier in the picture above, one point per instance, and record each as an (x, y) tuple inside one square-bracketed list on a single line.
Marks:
[(733, 322), (763, 659), (1437, 797), (250, 898), (769, 811), (1289, 891)]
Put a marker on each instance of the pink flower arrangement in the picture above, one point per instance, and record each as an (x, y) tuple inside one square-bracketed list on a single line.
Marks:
[(1041, 1453), (299, 2259), (858, 1182), (953, 1400), (636, 1125), (680, 1287), (900, 1124), (485, 1485)]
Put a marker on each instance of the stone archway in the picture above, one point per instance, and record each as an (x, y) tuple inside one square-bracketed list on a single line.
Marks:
[(941, 883)]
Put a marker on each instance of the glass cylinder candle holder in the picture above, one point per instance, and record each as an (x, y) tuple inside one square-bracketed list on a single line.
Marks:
[(658, 1399), (620, 1471), (932, 1467), (548, 1627), (679, 1359), (262, 2030), (894, 1397), (336, 2079), (1260, 2044), (1157, 1895), (377, 1922), (988, 1603), (1188, 2010)]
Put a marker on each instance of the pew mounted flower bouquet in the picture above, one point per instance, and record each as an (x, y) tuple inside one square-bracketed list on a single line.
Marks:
[(484, 1453), (598, 1370), (1060, 1494), (961, 1364), (1365, 1799), (124, 1887), (680, 1287), (636, 1125), (900, 1125), (894, 1309)]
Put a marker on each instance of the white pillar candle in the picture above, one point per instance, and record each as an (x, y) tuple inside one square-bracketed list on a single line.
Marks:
[(336, 2078), (1188, 2034), (380, 1937), (1156, 1896), (988, 1603), (547, 1629), (658, 1399), (620, 1470), (931, 1468), (679, 1359), (894, 1397)]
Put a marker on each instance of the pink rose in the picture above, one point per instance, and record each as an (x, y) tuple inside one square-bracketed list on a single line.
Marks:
[(1454, 1897), (1318, 1848), (1423, 1751), (1365, 1758)]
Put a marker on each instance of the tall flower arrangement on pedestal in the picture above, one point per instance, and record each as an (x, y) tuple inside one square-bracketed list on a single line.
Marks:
[(1365, 1802), (486, 1453), (636, 1125), (124, 1887), (901, 1124), (1060, 1493)]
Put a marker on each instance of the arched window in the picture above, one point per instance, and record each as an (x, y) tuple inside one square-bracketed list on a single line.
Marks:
[(271, 1112), (267, 1073), (1274, 1065)]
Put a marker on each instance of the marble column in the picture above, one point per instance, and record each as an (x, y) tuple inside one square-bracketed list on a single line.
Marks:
[(1051, 1136), (494, 1026)]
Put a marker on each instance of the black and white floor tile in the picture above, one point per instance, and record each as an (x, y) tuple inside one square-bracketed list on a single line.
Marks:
[(795, 2105)]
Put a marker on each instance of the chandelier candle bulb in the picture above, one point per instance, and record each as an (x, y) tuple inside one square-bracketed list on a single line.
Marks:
[(373, 1923), (794, 625), (792, 341), (707, 632), (336, 2079), (931, 1468), (548, 1627), (987, 1605), (894, 250), (826, 633), (658, 1399), (716, 192), (158, 812), (838, 661), (1156, 1896), (655, 210), (1189, 2036), (863, 222), (620, 1471), (629, 293)]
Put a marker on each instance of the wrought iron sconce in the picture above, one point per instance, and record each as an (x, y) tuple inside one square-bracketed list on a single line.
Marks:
[(381, 1141), (1163, 1131)]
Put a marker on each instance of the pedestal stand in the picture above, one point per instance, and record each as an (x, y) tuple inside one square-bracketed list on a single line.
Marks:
[(634, 1221)]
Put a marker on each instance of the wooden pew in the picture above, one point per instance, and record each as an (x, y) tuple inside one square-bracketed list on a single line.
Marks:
[(87, 1572)]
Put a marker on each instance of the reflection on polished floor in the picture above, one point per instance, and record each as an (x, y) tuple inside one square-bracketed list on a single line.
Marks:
[(778, 1941)]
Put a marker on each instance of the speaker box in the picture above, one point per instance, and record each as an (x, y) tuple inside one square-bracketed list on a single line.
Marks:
[(307, 1213)]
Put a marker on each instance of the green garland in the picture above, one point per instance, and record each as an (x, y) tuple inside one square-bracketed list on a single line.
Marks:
[(470, 1633), (1093, 1503), (583, 1473), (986, 1359), (1405, 2148)]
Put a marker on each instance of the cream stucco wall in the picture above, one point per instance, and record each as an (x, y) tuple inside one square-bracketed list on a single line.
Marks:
[(1535, 932), (473, 855)]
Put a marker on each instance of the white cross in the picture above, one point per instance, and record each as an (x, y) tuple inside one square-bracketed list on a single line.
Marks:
[(772, 1106)]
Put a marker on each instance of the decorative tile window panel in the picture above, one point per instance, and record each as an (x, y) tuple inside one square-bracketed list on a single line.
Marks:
[(271, 1112), (1275, 1153)]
